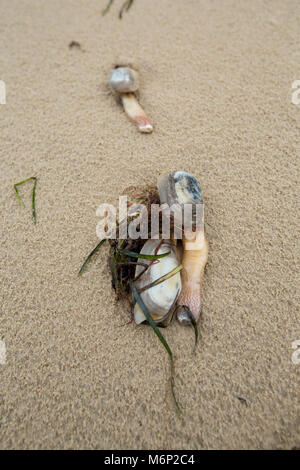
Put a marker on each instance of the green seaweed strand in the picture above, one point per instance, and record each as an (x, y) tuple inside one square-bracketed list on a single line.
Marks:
[(32, 197), (160, 337)]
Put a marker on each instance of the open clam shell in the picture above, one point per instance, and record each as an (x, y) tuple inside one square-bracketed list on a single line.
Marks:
[(160, 299)]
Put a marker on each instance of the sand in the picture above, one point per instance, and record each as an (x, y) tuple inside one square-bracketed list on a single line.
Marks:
[(216, 80)]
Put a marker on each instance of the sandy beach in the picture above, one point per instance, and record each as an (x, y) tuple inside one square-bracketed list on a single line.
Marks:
[(216, 81)]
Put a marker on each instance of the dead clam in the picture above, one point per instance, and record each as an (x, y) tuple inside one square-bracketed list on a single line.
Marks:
[(182, 188), (158, 277), (124, 81)]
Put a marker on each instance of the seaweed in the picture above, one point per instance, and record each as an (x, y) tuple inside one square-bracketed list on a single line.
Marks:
[(125, 7), (34, 178)]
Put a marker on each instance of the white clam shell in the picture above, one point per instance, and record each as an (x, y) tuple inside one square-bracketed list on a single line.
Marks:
[(124, 80), (161, 299)]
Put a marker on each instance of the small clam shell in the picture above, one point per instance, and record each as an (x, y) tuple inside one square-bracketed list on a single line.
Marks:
[(160, 299), (124, 80), (179, 187)]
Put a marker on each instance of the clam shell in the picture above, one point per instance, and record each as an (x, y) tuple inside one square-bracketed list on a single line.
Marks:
[(161, 299), (179, 187), (124, 80)]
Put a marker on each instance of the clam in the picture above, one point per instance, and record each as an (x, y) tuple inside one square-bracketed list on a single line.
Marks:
[(161, 298), (125, 82), (180, 188)]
